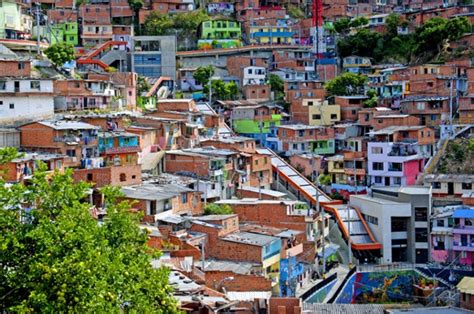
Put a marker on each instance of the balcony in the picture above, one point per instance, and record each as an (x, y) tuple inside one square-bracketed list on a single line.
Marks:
[(75, 140), (403, 150), (358, 171), (293, 251), (463, 246), (122, 150), (462, 229)]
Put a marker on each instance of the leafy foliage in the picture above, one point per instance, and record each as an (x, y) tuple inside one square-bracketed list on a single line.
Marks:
[(342, 26), (56, 258), (215, 209), (373, 99), (295, 12), (60, 53), (142, 85), (184, 22), (222, 90), (346, 84), (324, 179), (203, 74), (135, 5), (424, 43), (277, 86)]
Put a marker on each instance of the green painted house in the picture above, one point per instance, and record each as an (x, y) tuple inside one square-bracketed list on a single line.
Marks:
[(11, 25), (220, 34), (324, 147), (57, 33), (256, 121)]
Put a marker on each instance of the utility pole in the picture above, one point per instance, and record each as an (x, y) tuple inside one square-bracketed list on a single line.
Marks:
[(210, 91), (38, 28), (451, 81)]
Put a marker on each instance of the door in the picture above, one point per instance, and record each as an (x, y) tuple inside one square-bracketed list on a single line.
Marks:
[(450, 188), (387, 181), (17, 86)]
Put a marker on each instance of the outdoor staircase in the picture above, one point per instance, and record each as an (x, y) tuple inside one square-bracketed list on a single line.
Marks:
[(93, 56)]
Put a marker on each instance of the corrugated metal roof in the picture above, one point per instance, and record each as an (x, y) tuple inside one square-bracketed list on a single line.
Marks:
[(248, 295), (463, 213), (343, 308), (466, 285)]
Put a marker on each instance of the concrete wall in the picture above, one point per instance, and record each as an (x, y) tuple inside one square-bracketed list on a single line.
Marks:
[(25, 109)]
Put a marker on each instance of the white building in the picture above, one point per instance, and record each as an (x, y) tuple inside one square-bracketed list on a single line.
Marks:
[(254, 75), (399, 220), (23, 100)]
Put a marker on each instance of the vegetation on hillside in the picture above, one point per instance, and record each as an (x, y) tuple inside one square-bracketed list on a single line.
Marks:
[(216, 209), (424, 44), (458, 157), (56, 257)]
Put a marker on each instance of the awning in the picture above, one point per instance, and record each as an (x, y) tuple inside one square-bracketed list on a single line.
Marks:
[(329, 250)]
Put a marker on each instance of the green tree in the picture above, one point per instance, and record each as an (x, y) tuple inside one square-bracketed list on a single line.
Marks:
[(221, 90), (364, 43), (232, 90), (215, 209), (136, 5), (373, 99), (157, 24), (277, 86), (60, 53), (56, 257), (346, 84), (203, 74), (324, 179), (142, 86), (342, 26), (295, 12), (190, 21), (358, 22)]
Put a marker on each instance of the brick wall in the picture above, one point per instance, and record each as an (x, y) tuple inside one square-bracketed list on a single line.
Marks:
[(197, 164), (285, 306), (11, 68), (214, 280), (110, 175)]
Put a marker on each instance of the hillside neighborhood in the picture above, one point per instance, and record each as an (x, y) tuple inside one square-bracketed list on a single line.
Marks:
[(237, 156)]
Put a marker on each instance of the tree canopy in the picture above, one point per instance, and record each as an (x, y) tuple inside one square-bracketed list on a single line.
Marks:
[(203, 74), (185, 22), (60, 53), (424, 43), (216, 209), (346, 84), (277, 86), (55, 257)]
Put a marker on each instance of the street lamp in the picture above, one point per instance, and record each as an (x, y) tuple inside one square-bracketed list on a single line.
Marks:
[(219, 284), (212, 78)]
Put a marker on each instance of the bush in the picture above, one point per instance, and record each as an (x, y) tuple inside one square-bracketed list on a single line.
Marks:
[(216, 209)]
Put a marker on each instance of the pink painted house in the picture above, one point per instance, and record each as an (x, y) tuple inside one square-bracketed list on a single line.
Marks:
[(397, 155), (452, 236)]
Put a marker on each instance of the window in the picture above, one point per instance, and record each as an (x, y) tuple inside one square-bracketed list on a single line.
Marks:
[(316, 117), (71, 152), (354, 112), (399, 224), (1, 102), (377, 166), (378, 180), (35, 85), (397, 181), (421, 214), (436, 185), (333, 116), (395, 166), (466, 186), (21, 65), (377, 150), (421, 234), (123, 177), (371, 219), (184, 198), (12, 106), (310, 103), (3, 85)]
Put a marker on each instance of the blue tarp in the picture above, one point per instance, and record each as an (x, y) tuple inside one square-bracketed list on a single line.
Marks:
[(463, 213)]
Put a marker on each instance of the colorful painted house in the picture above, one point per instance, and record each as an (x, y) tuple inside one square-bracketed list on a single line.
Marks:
[(463, 235), (256, 121), (279, 34), (119, 148), (13, 24), (220, 34), (57, 33)]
